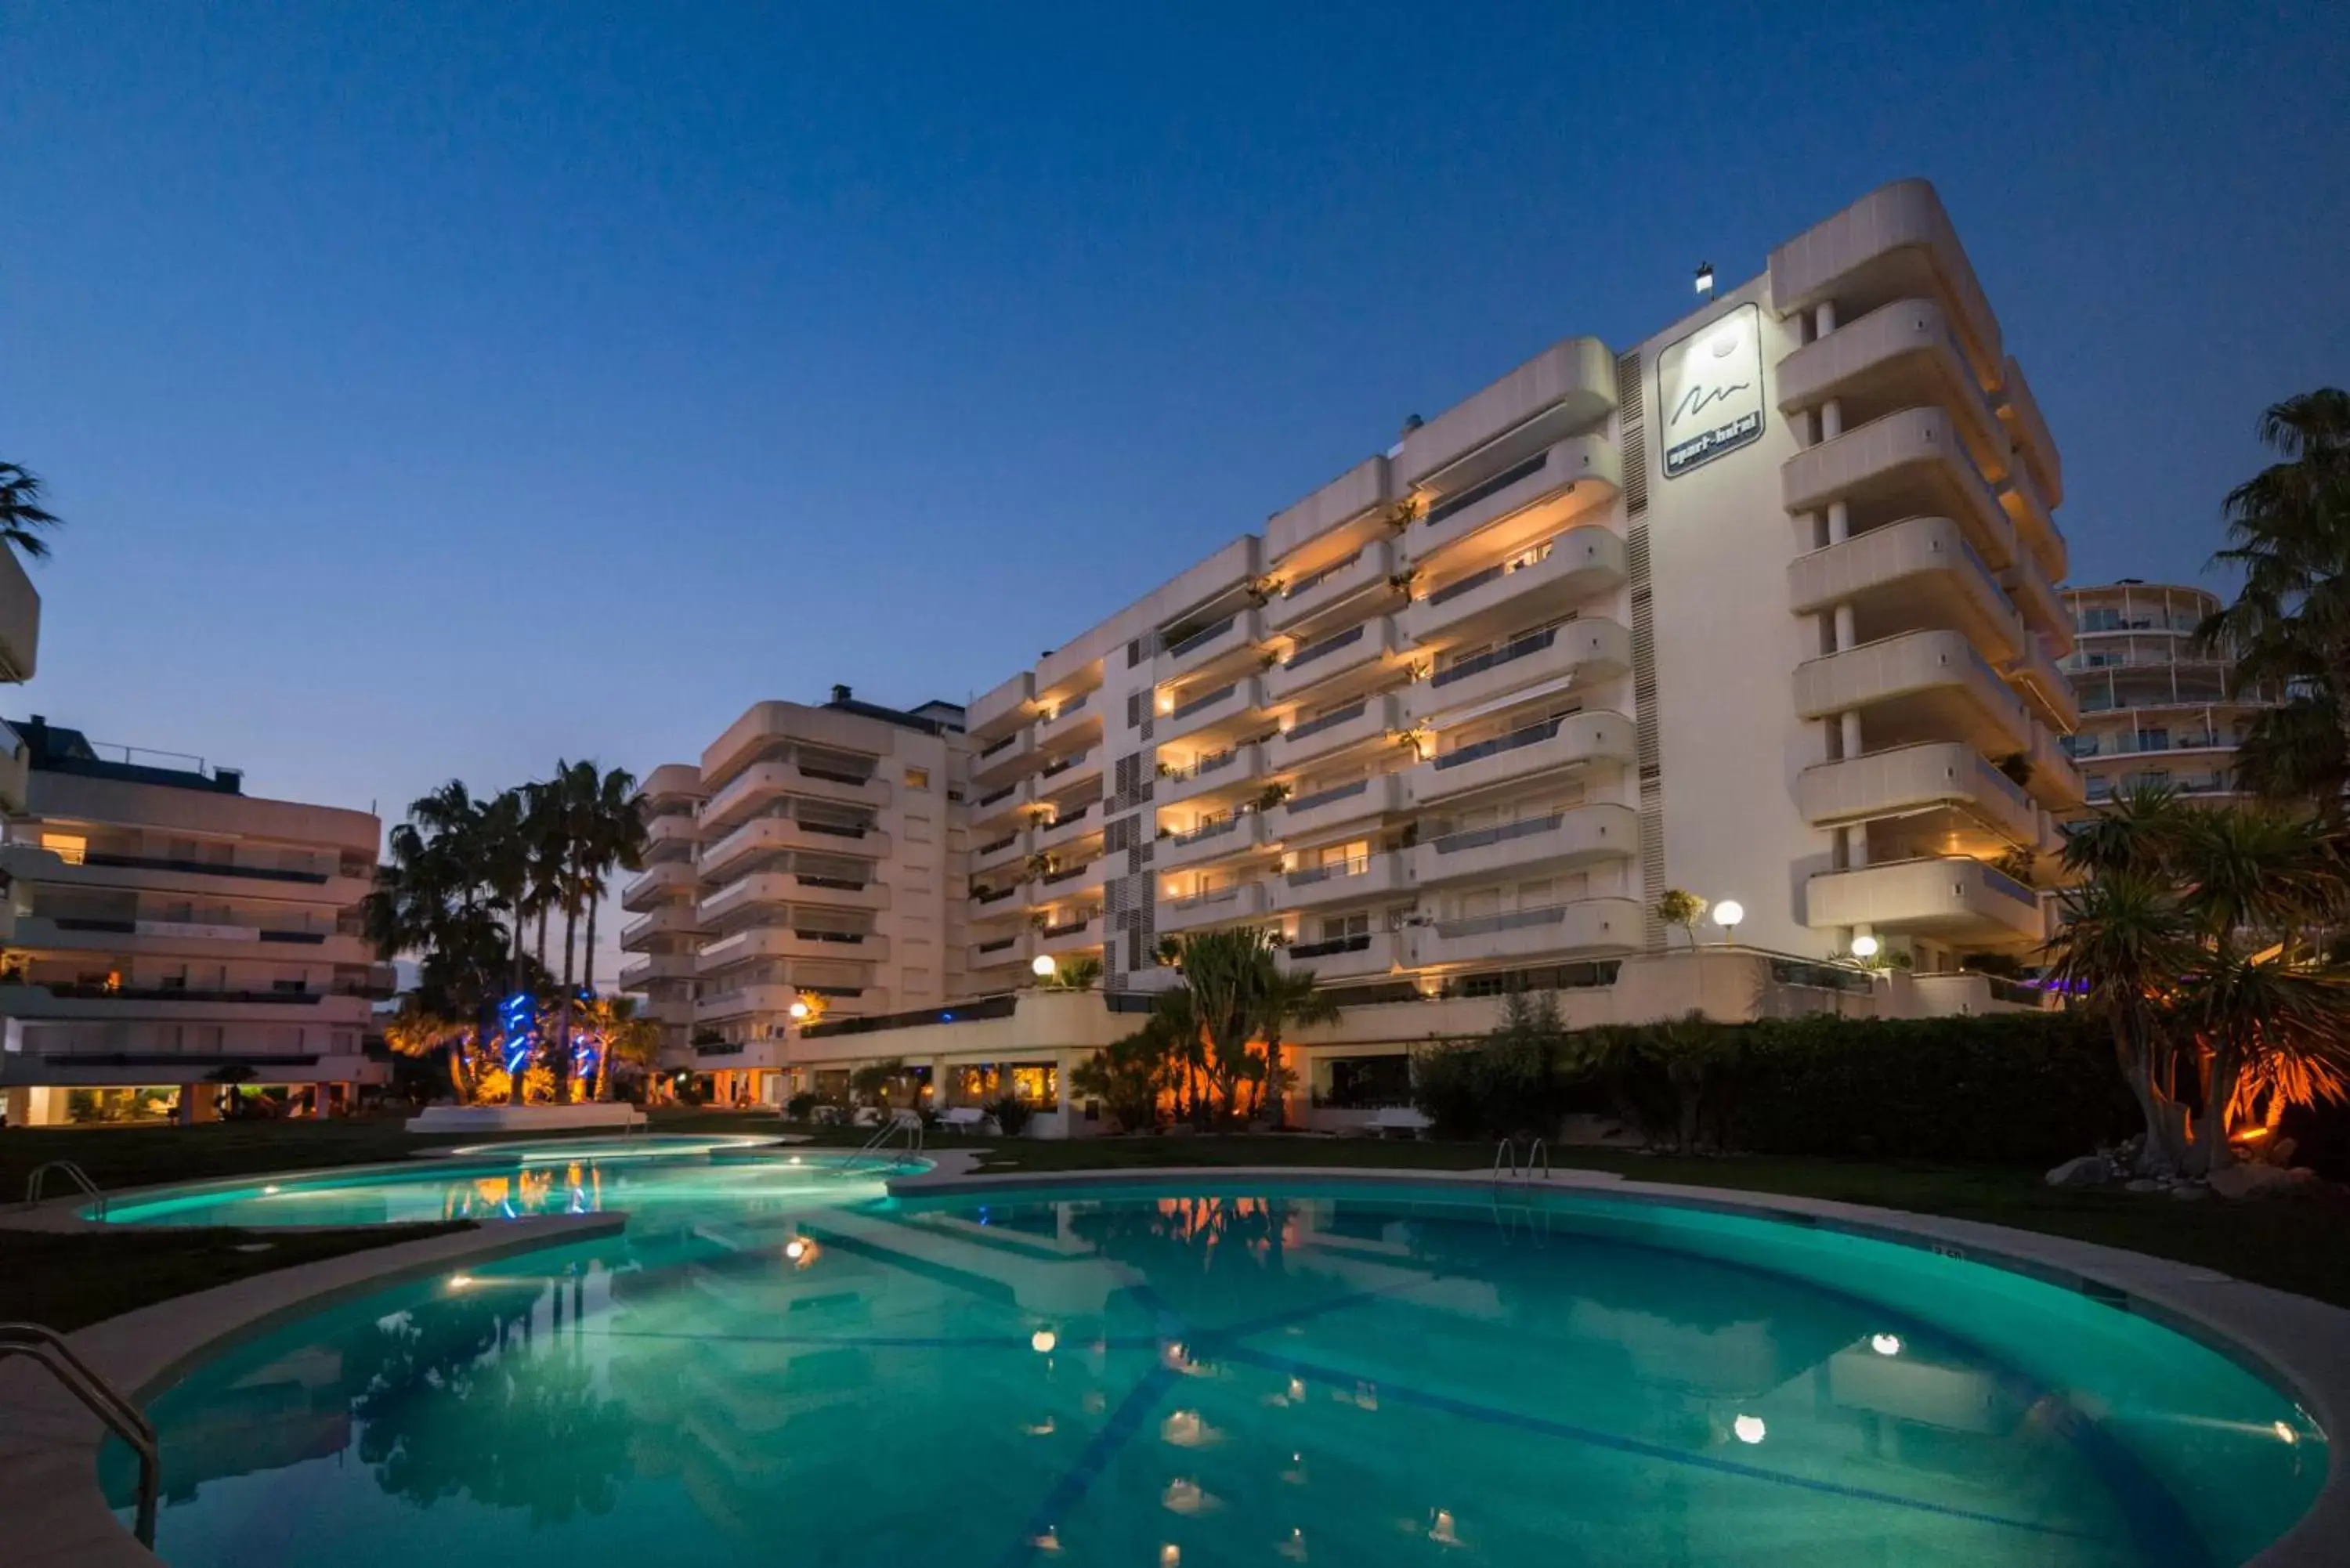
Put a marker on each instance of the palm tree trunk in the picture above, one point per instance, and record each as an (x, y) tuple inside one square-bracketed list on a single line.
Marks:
[(562, 1063), (588, 984)]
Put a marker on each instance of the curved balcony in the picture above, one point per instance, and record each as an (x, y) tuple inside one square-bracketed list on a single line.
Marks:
[(2029, 510), (743, 1002), (1921, 686), (1354, 657), (1569, 386), (1069, 882), (1954, 899), (1917, 572), (1230, 641), (678, 919), (1335, 884), (1345, 805), (1070, 938), (1912, 462), (2044, 687), (1918, 778), (1075, 721), (2036, 599), (1004, 758), (1204, 717), (766, 835), (1002, 709), (1581, 929), (1900, 355), (1895, 243), (1010, 850), (671, 828), (1079, 822), (1558, 840), (788, 941), (997, 952), (1540, 491), (2055, 781), (1577, 566), (1241, 833), (1346, 958), (658, 884), (656, 967), (995, 809), (1576, 653), (1213, 906), (2018, 411), (1359, 723), (1573, 741), (1305, 597), (1218, 775)]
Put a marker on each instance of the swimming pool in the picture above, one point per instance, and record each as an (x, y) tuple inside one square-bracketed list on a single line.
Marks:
[(1227, 1371), (643, 1175)]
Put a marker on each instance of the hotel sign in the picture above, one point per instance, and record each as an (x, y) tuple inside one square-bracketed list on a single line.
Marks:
[(1710, 389)]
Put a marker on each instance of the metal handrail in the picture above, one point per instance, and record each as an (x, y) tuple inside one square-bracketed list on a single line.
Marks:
[(907, 1122), (1505, 1156), (75, 1173), (48, 1347), (1505, 1151)]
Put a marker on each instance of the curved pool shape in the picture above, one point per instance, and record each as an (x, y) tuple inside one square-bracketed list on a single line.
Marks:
[(1288, 1372), (586, 1176)]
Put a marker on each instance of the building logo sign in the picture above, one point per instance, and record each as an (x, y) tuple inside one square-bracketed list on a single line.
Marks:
[(1709, 388)]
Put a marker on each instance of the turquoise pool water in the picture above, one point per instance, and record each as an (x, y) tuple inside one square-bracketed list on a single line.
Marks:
[(1226, 1373), (638, 1174)]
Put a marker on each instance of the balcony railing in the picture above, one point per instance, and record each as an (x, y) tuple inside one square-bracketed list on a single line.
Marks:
[(993, 747), (1324, 797), (1329, 870), (1493, 573), (989, 848), (1067, 928), (197, 867), (1329, 721), (1203, 637), (1493, 486), (992, 796), (1066, 817), (1064, 765), (1313, 580), (1185, 709), (1509, 920), (1477, 837), (1071, 875), (997, 946), (1331, 644), (1359, 942), (1531, 735), (1209, 829), (1534, 643), (1206, 765), (992, 896)]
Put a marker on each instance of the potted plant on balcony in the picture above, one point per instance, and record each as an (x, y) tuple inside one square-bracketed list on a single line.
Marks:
[(1273, 795)]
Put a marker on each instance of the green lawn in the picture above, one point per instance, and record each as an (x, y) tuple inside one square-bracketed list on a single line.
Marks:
[(2300, 1244)]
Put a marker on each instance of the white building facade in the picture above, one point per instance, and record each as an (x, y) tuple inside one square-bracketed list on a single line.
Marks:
[(167, 932), (1763, 607)]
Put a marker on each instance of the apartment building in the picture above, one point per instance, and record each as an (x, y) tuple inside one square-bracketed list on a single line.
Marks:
[(167, 931), (1763, 607), (2155, 708), (808, 861)]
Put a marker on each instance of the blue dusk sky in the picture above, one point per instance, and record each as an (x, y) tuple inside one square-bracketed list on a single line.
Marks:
[(436, 390)]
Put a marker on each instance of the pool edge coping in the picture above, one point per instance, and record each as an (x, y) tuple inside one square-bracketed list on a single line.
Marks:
[(49, 1488), (2297, 1344)]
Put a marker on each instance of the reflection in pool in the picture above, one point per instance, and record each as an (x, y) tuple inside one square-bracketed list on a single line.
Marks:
[(1287, 1374), (639, 1175)]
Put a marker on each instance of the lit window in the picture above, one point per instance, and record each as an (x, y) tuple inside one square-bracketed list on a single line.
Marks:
[(917, 778), (69, 848)]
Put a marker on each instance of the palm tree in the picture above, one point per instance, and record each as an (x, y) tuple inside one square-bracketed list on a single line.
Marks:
[(1222, 975), (2289, 627), (620, 1036), (21, 512), (2204, 939), (417, 1032), (1286, 998), (615, 841), (505, 850)]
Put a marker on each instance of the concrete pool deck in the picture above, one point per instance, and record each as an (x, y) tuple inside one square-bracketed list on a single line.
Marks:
[(49, 1445)]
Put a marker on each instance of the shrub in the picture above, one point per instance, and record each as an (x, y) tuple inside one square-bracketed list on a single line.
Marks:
[(1011, 1114), (2009, 1088), (802, 1105)]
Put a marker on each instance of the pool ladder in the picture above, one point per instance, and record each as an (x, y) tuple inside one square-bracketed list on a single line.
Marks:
[(1505, 1160), (877, 1148), (71, 1172), (48, 1347)]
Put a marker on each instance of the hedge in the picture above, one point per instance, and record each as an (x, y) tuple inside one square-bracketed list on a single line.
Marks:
[(2009, 1088)]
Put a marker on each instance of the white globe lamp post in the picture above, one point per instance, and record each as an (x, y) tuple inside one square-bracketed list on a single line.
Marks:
[(1727, 914)]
